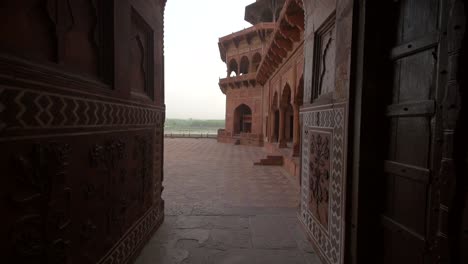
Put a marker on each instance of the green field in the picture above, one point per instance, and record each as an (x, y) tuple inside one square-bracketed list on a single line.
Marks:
[(193, 126)]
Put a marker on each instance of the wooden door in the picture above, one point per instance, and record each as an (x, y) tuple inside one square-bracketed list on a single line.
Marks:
[(413, 124), (81, 118)]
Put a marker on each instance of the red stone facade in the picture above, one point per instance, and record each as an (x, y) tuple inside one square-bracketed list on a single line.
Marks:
[(273, 86), (369, 95), (81, 129), (243, 51), (378, 76)]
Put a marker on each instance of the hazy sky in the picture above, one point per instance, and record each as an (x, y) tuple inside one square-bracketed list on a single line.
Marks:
[(193, 64)]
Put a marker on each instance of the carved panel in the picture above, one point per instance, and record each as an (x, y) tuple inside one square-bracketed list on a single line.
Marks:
[(31, 109), (40, 194), (81, 165), (27, 30), (81, 40), (319, 174), (141, 56), (72, 33), (83, 33), (105, 183), (322, 196), (324, 59)]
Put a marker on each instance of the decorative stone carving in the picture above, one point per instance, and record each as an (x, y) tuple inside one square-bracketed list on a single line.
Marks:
[(28, 30), (323, 197), (319, 173), (80, 206), (42, 195), (324, 59), (141, 56), (28, 109), (107, 155)]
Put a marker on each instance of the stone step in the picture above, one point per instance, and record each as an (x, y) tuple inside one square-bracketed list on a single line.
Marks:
[(274, 157), (270, 161)]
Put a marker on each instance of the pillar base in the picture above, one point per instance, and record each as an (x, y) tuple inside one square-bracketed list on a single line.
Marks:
[(296, 150), (282, 144)]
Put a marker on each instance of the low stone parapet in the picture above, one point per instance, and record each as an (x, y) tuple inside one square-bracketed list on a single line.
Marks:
[(250, 139), (247, 139), (224, 136)]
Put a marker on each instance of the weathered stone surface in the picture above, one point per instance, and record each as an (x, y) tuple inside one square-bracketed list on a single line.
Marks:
[(263, 237), (224, 239), (212, 222), (162, 254), (230, 217), (243, 256), (200, 235)]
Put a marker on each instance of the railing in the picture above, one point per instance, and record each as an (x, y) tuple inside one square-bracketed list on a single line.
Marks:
[(190, 135), (239, 78)]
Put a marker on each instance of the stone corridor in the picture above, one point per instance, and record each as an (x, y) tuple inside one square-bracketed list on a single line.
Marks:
[(222, 209)]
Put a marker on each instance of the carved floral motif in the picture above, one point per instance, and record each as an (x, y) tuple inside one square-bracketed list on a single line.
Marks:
[(41, 193), (142, 153), (319, 170), (328, 123)]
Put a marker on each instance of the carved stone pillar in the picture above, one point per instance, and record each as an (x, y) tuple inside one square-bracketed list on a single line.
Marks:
[(271, 127), (296, 132), (281, 139)]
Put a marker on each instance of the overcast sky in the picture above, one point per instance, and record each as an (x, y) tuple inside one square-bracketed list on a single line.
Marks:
[(193, 64)]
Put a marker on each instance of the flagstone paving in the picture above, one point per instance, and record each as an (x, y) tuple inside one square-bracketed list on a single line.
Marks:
[(220, 208)]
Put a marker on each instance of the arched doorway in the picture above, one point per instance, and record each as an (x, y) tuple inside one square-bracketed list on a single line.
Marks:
[(242, 119)]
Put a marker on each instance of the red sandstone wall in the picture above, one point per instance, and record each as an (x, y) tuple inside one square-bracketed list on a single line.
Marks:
[(252, 97), (81, 120), (289, 73), (325, 122)]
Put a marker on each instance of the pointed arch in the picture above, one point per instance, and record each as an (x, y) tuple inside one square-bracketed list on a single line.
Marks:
[(244, 65), (242, 119), (286, 95), (274, 102), (299, 97), (233, 68)]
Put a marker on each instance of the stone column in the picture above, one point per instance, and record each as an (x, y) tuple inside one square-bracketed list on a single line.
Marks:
[(296, 132), (271, 127), (281, 139), (268, 128)]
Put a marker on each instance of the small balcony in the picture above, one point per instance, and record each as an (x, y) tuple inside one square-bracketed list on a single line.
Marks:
[(244, 80)]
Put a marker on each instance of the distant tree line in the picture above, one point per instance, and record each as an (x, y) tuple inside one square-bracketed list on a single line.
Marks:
[(193, 123)]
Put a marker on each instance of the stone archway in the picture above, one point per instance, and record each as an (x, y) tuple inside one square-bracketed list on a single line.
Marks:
[(286, 117), (233, 69), (244, 66), (242, 119)]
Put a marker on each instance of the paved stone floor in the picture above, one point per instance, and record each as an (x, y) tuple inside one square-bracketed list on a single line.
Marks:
[(222, 209)]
